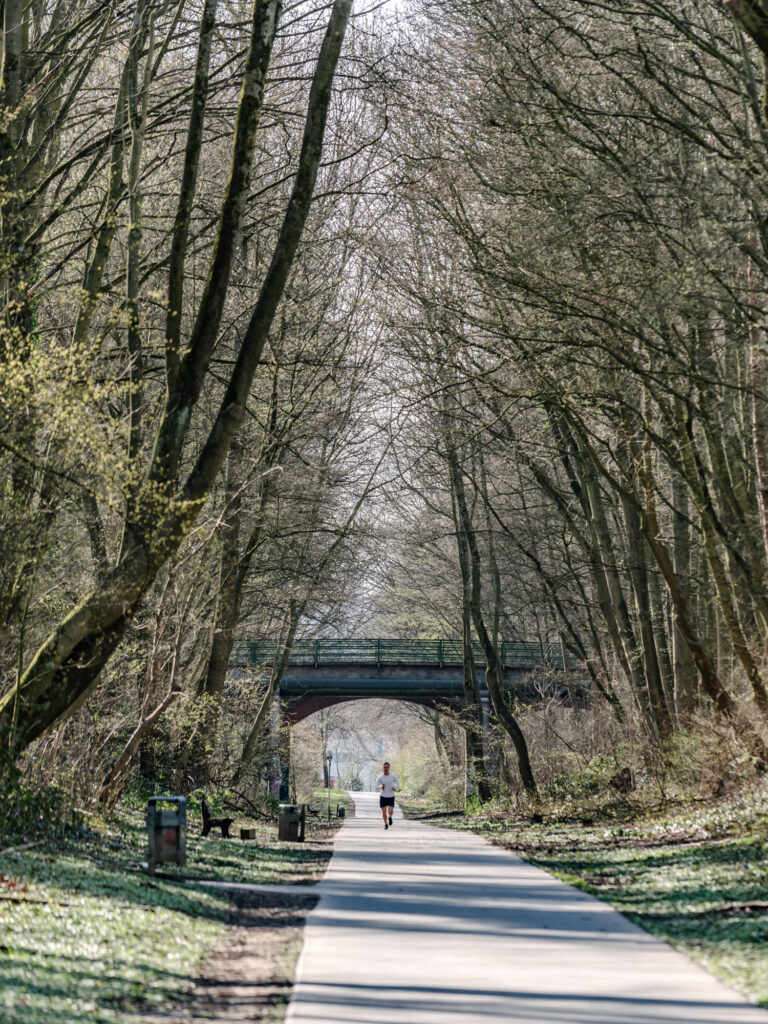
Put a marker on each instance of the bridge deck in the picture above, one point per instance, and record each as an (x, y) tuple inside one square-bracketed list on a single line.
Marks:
[(434, 653)]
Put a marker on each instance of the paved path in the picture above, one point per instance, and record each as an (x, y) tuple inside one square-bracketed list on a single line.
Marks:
[(421, 925)]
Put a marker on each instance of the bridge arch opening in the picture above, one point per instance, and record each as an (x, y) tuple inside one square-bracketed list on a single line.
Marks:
[(310, 705), (422, 740)]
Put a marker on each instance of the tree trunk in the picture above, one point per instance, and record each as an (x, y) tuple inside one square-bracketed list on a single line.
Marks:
[(493, 671), (684, 668), (638, 573), (473, 712), (276, 677), (473, 709), (758, 365), (738, 640)]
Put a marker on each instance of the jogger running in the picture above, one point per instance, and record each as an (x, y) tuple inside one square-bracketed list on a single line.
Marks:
[(387, 784)]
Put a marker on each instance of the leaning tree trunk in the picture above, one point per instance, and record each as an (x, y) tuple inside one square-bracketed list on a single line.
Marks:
[(473, 711), (473, 708), (234, 571), (295, 611), (595, 540), (723, 588), (638, 574)]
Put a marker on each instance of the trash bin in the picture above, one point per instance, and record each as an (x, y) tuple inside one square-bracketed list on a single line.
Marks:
[(341, 811), (166, 831), (291, 820)]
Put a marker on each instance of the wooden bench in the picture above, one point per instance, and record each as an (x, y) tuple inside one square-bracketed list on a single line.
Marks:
[(210, 822)]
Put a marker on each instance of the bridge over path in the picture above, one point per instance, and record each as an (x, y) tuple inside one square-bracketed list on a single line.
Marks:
[(321, 673)]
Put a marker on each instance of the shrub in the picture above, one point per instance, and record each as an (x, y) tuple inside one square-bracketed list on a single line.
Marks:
[(586, 781), (29, 812)]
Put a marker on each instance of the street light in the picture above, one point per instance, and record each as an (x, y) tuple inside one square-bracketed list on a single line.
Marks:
[(329, 758)]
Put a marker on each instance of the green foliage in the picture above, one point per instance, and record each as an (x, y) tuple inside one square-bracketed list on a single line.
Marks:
[(474, 805), (271, 805), (494, 806), (425, 775), (708, 761)]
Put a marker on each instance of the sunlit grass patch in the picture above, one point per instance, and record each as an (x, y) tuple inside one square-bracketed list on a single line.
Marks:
[(82, 942), (338, 798)]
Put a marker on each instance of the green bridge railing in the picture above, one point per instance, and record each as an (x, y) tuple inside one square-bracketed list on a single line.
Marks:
[(434, 653)]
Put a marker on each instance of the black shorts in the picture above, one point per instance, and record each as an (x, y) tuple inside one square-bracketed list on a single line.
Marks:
[(386, 801)]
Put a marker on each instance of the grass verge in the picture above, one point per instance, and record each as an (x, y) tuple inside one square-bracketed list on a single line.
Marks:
[(339, 798), (696, 877), (86, 935)]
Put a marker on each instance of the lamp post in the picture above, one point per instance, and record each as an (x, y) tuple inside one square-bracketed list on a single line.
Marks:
[(329, 758)]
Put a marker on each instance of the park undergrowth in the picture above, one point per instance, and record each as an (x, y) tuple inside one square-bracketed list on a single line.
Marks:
[(694, 874), (88, 936)]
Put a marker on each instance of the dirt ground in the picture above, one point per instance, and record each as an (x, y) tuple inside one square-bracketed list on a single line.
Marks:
[(249, 978)]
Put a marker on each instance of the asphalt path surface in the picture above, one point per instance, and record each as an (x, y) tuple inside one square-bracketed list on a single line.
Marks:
[(422, 925)]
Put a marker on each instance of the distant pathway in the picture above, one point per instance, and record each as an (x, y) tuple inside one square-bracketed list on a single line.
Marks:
[(421, 925)]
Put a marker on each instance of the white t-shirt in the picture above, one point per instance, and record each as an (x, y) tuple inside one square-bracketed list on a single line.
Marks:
[(387, 784)]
